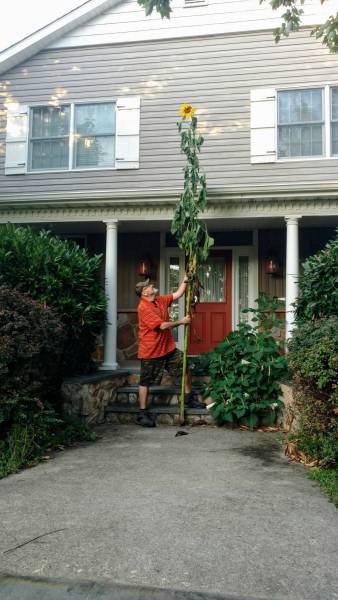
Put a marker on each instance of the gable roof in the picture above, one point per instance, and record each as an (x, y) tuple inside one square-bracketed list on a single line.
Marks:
[(30, 45)]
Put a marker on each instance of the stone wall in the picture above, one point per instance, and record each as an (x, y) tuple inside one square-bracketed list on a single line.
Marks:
[(87, 397), (127, 336)]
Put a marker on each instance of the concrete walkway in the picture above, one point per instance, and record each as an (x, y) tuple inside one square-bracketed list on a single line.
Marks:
[(215, 511)]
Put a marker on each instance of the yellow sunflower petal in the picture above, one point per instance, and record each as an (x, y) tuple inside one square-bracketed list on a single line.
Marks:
[(187, 110)]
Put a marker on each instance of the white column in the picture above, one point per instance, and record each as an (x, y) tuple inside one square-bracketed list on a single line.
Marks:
[(111, 293), (292, 272)]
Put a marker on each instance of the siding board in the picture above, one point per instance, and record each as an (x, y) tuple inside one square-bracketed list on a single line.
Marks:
[(215, 73)]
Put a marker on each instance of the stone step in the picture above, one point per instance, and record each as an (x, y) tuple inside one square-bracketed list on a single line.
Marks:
[(154, 408), (162, 415), (156, 389)]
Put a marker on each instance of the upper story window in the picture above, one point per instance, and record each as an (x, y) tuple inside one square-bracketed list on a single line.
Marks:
[(334, 121), (74, 136), (80, 136), (49, 140), (300, 123), (294, 124)]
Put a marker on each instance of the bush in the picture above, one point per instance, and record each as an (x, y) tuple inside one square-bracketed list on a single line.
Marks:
[(245, 369), (313, 357), (61, 275), (31, 345), (32, 338), (318, 290)]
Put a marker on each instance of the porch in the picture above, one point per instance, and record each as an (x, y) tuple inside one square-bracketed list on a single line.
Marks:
[(250, 256)]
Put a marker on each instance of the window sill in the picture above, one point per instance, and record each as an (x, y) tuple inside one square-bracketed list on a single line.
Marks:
[(72, 170)]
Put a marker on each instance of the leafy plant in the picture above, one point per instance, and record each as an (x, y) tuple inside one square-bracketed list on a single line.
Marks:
[(318, 285), (245, 369), (191, 234), (60, 275), (313, 358)]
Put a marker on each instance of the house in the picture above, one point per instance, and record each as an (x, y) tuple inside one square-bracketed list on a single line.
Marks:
[(90, 149)]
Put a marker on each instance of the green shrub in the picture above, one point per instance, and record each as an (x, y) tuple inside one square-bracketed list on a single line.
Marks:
[(313, 358), (313, 354), (61, 275), (31, 345), (245, 369), (318, 285)]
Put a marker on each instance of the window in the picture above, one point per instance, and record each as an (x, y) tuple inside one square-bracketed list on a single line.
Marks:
[(94, 135), (300, 123), (93, 132), (49, 142), (334, 121), (243, 287)]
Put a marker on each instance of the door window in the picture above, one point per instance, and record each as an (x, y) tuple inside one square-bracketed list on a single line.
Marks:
[(243, 287), (212, 278), (173, 280)]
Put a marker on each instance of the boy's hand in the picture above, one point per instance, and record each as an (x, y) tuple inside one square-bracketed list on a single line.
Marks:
[(186, 320)]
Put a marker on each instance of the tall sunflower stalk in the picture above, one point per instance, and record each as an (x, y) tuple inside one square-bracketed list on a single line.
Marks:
[(191, 233)]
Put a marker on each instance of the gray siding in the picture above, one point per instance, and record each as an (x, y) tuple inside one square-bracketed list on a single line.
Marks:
[(214, 73)]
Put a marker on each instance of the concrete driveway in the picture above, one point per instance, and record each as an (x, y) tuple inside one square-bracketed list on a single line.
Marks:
[(215, 511)]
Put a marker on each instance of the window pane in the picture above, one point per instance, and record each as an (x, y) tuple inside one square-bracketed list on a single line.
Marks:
[(334, 134), (50, 154), (50, 121), (295, 101), (300, 140), (243, 281), (95, 119), (173, 281), (334, 104), (95, 151), (316, 105), (212, 278), (283, 107)]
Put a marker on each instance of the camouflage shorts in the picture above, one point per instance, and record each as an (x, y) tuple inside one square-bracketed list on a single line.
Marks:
[(152, 368)]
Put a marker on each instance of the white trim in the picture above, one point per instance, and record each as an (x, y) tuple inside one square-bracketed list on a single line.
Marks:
[(252, 253), (45, 36)]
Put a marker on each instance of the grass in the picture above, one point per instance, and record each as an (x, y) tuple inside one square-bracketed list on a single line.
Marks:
[(25, 445), (328, 481)]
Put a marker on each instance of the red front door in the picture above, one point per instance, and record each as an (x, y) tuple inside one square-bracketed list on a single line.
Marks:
[(212, 319)]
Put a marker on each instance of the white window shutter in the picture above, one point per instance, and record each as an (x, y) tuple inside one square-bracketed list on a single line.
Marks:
[(127, 132), (263, 125), (16, 139)]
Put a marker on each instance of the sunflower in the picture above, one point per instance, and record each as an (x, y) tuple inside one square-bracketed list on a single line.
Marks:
[(187, 110)]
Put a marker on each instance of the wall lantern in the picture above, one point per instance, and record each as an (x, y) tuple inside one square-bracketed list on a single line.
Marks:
[(271, 266), (144, 267)]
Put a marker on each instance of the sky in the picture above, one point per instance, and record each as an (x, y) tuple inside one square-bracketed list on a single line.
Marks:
[(19, 18)]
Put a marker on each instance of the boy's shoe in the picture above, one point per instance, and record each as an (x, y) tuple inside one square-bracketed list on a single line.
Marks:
[(145, 420), (191, 401)]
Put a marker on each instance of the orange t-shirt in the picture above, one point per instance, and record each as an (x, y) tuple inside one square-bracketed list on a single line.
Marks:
[(154, 342)]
